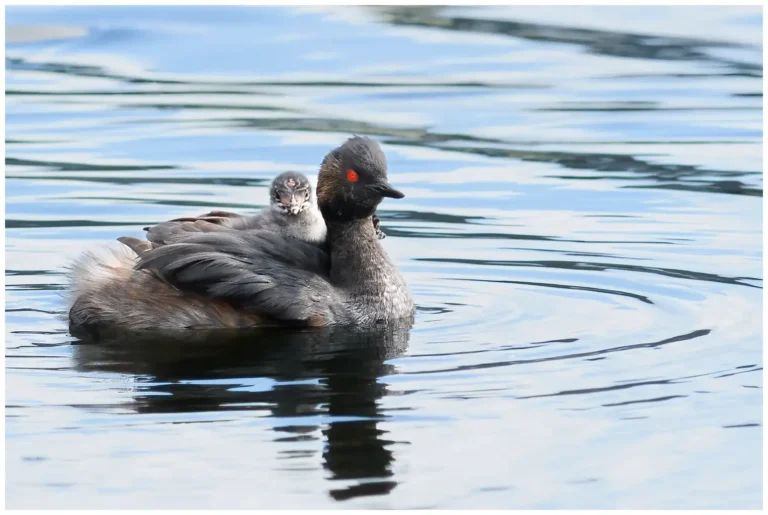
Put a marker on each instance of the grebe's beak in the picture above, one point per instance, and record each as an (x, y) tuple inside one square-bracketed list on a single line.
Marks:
[(385, 189)]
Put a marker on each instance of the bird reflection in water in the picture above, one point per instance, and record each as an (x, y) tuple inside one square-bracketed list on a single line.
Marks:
[(332, 371)]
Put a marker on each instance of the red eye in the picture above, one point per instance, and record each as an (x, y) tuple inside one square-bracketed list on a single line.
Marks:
[(352, 175)]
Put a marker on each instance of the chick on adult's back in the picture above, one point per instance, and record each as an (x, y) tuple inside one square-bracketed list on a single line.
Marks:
[(292, 213)]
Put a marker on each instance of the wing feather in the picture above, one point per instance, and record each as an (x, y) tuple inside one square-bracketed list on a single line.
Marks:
[(258, 271)]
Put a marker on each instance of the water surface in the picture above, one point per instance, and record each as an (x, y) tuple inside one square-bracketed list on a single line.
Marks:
[(581, 232)]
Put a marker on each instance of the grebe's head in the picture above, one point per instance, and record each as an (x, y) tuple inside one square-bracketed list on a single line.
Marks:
[(353, 180)]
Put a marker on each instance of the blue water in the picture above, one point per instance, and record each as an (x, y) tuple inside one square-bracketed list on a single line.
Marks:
[(581, 232)]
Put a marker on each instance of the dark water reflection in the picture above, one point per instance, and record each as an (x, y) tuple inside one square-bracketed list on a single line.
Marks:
[(581, 232), (326, 371)]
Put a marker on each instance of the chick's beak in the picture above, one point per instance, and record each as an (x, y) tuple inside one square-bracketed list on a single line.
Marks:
[(291, 202)]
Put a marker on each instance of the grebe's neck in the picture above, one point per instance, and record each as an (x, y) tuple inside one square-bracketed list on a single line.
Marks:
[(357, 258)]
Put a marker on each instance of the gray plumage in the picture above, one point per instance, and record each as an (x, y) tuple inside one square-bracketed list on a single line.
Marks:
[(292, 213), (106, 292), (257, 277)]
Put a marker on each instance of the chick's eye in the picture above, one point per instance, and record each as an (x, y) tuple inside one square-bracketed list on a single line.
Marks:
[(352, 176)]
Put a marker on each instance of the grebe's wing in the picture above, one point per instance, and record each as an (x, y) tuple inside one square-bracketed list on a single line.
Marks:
[(258, 271), (230, 220), (178, 229), (174, 231)]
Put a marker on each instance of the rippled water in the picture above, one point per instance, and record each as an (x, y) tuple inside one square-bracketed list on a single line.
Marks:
[(581, 232)]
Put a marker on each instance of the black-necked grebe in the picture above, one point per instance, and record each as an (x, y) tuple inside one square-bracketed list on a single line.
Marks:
[(245, 278)]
